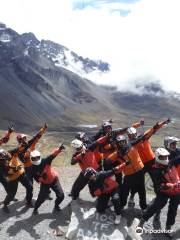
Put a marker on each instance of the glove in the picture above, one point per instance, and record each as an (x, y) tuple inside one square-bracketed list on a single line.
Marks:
[(141, 122), (45, 126), (11, 128), (167, 121), (62, 147)]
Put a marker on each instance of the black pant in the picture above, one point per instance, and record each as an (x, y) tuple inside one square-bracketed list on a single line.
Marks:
[(12, 189), (102, 202), (147, 169), (4, 183), (29, 173), (158, 203), (78, 185), (44, 191), (136, 182)]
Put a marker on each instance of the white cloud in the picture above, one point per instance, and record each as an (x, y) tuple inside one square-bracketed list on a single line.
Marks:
[(142, 44)]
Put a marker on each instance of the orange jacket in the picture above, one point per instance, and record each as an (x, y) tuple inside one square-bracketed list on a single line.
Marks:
[(135, 163), (144, 148), (48, 174), (25, 157), (109, 185), (86, 159), (16, 168)]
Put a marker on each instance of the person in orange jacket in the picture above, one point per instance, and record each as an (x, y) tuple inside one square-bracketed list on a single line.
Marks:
[(85, 157), (133, 173), (25, 156), (167, 188), (145, 150), (14, 172), (104, 187), (45, 174)]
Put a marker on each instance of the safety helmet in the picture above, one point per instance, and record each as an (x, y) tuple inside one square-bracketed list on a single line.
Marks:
[(106, 126), (131, 130), (77, 144), (81, 136), (168, 140), (35, 157), (89, 172), (21, 137), (4, 155), (162, 156), (132, 133), (121, 140)]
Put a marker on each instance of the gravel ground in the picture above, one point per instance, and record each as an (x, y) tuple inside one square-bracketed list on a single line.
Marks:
[(21, 224)]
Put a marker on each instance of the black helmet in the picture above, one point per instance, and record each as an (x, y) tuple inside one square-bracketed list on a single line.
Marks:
[(121, 140), (89, 172)]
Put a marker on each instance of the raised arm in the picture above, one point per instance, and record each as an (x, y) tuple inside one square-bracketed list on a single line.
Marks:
[(155, 128), (6, 137), (54, 154)]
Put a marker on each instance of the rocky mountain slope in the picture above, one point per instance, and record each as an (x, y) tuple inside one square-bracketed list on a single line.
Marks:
[(42, 81)]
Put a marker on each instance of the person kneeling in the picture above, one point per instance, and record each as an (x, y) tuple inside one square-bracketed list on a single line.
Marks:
[(102, 185)]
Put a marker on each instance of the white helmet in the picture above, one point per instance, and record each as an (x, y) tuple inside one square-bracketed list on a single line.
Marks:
[(131, 130), (162, 156), (106, 124), (36, 157), (77, 144), (168, 140)]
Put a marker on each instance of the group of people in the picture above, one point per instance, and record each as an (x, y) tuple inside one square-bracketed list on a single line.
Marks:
[(113, 164), (24, 164)]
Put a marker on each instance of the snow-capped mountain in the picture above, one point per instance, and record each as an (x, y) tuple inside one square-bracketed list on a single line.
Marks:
[(42, 81)]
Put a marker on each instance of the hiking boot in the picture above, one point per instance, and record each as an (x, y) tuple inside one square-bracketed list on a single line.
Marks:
[(35, 212), (56, 209), (6, 209), (15, 200), (131, 202), (29, 204), (117, 220), (169, 232)]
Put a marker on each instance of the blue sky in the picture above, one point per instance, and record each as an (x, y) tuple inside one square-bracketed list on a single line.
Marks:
[(140, 39), (80, 4)]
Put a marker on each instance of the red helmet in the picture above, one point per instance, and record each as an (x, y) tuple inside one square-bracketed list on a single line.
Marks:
[(21, 137)]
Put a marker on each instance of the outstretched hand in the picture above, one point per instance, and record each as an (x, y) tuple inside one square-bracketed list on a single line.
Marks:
[(141, 121), (168, 120), (62, 147), (11, 128)]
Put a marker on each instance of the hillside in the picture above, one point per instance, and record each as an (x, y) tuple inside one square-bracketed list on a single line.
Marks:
[(39, 83)]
